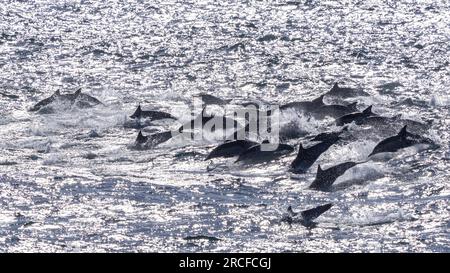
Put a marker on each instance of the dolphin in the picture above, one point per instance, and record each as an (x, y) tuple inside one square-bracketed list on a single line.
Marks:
[(306, 157), (304, 106), (345, 92), (379, 121), (152, 115), (356, 116), (231, 148), (305, 217), (325, 178), (254, 154), (148, 142), (213, 100), (402, 140), (328, 135), (203, 119), (77, 99), (333, 110)]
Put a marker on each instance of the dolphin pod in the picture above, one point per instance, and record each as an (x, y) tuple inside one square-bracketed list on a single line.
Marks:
[(248, 151)]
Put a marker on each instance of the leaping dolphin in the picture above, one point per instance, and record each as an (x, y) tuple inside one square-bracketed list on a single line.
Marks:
[(255, 154), (345, 92), (356, 117), (402, 140), (333, 110), (148, 142), (306, 157), (213, 100), (306, 217), (325, 178), (304, 106), (77, 99), (231, 148), (150, 114), (203, 119)]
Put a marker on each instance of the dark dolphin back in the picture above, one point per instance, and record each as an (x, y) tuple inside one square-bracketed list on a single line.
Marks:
[(311, 214), (306, 157)]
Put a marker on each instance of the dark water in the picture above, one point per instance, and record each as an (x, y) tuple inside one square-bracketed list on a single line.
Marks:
[(61, 190)]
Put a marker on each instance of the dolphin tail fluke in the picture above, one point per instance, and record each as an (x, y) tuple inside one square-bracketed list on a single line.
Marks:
[(311, 214)]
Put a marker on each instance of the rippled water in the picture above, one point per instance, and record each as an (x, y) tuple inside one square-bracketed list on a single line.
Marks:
[(61, 190)]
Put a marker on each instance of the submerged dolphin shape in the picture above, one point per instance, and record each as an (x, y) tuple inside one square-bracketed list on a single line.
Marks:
[(325, 178), (356, 117), (345, 92), (77, 99), (304, 106), (231, 148), (306, 217), (402, 140), (306, 157), (213, 100), (152, 115), (327, 136), (254, 154)]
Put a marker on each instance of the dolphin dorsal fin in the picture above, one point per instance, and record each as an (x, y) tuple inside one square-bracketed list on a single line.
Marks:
[(139, 109), (335, 86), (403, 132), (78, 92), (368, 110), (141, 138), (319, 169), (300, 149), (352, 106), (57, 93), (319, 100)]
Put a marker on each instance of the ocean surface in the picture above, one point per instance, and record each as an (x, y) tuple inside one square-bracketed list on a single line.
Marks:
[(62, 190)]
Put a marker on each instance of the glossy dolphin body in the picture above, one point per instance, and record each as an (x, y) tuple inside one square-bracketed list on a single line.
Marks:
[(256, 154), (356, 117), (306, 157), (402, 140), (325, 178), (231, 148), (345, 92), (306, 217), (77, 99)]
